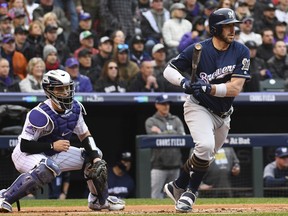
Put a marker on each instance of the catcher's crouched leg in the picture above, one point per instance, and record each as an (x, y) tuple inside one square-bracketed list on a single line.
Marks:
[(96, 177)]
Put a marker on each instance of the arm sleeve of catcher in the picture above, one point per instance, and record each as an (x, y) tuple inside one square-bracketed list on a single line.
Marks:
[(34, 147), (90, 146), (172, 75)]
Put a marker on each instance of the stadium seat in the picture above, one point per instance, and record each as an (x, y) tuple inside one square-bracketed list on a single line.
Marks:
[(272, 85)]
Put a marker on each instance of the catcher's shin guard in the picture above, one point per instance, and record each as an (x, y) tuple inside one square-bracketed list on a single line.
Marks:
[(29, 182), (96, 177)]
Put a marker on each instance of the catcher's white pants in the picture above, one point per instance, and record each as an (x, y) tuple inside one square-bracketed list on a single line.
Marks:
[(67, 161), (208, 130)]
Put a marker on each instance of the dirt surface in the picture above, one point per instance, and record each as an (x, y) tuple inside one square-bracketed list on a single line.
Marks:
[(149, 209)]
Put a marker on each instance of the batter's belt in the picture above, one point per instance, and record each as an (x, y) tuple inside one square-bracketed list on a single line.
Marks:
[(220, 114)]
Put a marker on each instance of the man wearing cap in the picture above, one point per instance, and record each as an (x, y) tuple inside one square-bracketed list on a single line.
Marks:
[(267, 20), (19, 18), (258, 69), (5, 24), (82, 83), (51, 37), (276, 173), (85, 24), (105, 48), (137, 52), (280, 32), (165, 162), (120, 182), (17, 60), (247, 32), (20, 35), (86, 42)]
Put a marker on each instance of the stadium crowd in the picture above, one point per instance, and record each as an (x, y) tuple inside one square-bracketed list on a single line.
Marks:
[(123, 46)]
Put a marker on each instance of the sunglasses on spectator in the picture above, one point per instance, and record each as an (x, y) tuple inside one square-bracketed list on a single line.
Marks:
[(248, 22), (122, 46), (113, 67)]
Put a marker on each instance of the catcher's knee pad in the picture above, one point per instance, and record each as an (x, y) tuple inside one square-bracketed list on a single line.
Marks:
[(29, 182), (196, 164)]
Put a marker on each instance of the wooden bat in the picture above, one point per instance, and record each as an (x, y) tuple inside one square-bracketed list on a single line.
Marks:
[(195, 60)]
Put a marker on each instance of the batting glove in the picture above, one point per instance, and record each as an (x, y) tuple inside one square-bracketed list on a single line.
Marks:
[(201, 87), (187, 86)]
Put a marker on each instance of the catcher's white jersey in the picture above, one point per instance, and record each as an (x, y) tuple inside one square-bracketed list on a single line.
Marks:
[(70, 160)]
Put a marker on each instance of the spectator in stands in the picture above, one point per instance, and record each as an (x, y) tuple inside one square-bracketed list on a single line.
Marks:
[(258, 69), (119, 15), (219, 174), (59, 187), (159, 59), (280, 32), (86, 66), (17, 8), (247, 32), (144, 80), (51, 37), (120, 182), (87, 42), (194, 9), (5, 25), (47, 6), (109, 80), (278, 63), (226, 4), (34, 39), (165, 162), (50, 58), (17, 61), (31, 5), (7, 83), (267, 20), (50, 18), (85, 24), (20, 35), (127, 68), (242, 11), (276, 173), (209, 7), (143, 5), (137, 52), (105, 48), (265, 50), (68, 6), (152, 22), (118, 37), (33, 80), (197, 34), (82, 83), (18, 19), (281, 11), (3, 8), (174, 28)]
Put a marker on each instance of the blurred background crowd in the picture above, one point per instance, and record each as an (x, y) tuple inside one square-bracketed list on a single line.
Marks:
[(123, 46)]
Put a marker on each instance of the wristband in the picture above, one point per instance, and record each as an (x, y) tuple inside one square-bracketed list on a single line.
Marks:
[(220, 90)]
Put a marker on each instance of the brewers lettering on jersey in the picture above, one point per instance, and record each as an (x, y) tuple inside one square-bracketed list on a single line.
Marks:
[(43, 150), (221, 73)]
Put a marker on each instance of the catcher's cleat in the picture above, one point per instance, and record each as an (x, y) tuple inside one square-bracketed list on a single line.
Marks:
[(112, 203), (4, 205), (185, 203), (173, 191)]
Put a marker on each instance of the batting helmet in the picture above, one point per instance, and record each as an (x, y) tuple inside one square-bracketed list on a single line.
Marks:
[(58, 78), (221, 17)]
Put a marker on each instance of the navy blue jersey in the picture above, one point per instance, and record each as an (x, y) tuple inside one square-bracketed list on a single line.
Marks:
[(216, 67)]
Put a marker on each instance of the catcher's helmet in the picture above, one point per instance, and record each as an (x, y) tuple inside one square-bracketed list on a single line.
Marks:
[(221, 17), (59, 78)]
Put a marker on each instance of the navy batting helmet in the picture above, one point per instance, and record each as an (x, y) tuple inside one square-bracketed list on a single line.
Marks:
[(221, 17)]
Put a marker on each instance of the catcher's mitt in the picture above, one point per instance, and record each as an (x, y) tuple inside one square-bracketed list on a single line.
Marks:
[(98, 173)]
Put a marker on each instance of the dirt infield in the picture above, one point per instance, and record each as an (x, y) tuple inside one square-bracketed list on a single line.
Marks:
[(154, 209)]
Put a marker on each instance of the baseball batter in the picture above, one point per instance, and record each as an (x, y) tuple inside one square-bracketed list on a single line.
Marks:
[(221, 74), (44, 149)]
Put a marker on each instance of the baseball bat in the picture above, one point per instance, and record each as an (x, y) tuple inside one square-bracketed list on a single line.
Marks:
[(195, 60)]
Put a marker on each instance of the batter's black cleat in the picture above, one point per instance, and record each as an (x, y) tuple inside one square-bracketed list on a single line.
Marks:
[(173, 191), (185, 203)]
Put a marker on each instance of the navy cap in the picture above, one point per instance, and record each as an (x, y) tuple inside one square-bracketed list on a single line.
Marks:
[(7, 38), (162, 99), (281, 152), (127, 156), (251, 44), (70, 62), (211, 4), (51, 28)]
